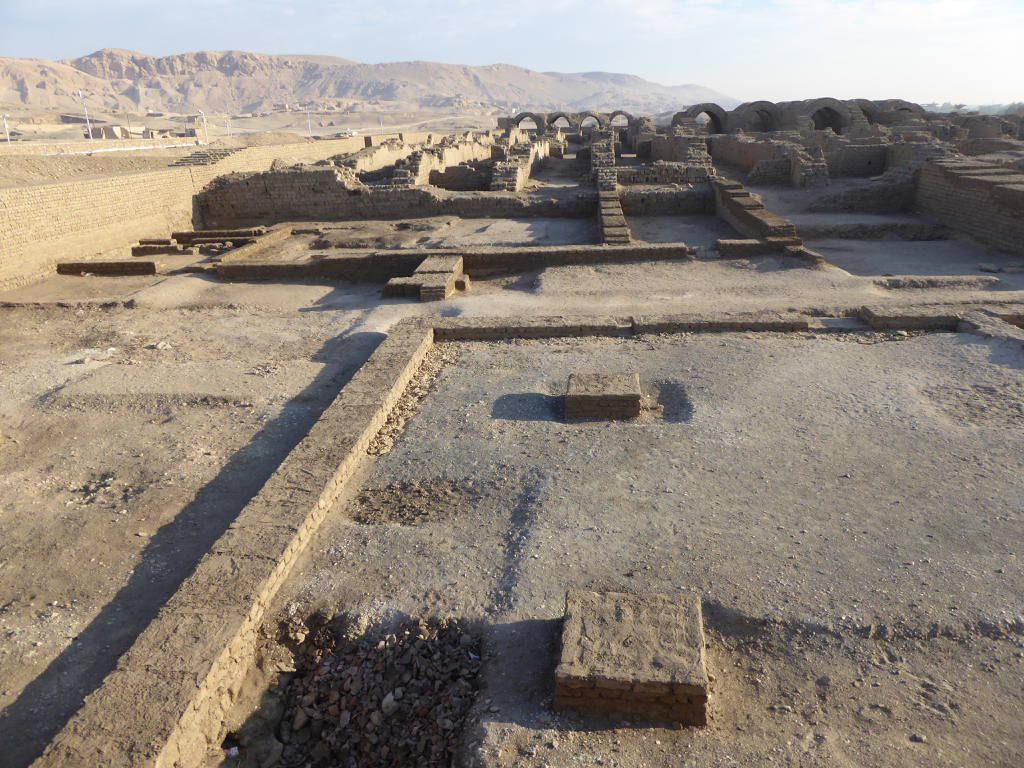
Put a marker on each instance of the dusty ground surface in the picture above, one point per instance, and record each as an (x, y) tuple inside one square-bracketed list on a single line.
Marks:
[(848, 508), (851, 521)]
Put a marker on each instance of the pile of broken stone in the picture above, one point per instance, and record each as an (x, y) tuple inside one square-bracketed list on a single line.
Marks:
[(398, 699)]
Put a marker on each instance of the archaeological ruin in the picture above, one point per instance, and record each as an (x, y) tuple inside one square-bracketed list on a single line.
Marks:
[(585, 439)]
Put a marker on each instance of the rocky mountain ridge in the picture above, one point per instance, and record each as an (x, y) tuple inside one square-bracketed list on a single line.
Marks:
[(238, 82)]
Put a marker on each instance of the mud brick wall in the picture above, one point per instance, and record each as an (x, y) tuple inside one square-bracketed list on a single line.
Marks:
[(680, 145), (856, 160), (655, 201), (983, 201), (480, 262), (771, 172), (417, 171), (663, 172), (84, 218), (323, 195), (67, 221), (461, 178), (745, 152), (895, 192), (375, 158), (521, 162)]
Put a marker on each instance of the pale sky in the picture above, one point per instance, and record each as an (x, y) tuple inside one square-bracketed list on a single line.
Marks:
[(922, 50)]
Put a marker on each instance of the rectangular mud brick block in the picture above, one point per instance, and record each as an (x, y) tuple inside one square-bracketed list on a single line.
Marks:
[(156, 250), (109, 268), (612, 395), (401, 288), (625, 654), (217, 235), (436, 286), (433, 264)]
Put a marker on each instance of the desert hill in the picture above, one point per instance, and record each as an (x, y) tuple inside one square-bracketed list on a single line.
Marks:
[(236, 82)]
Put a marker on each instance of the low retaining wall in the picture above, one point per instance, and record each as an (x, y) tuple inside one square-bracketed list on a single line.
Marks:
[(479, 262), (981, 200)]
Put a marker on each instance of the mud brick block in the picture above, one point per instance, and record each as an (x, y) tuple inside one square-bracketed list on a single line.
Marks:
[(217, 235), (155, 250), (626, 654), (741, 249), (401, 288), (434, 264), (109, 268), (436, 286), (615, 395)]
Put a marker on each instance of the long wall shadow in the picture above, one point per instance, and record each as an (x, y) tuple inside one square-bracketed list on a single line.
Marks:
[(46, 704)]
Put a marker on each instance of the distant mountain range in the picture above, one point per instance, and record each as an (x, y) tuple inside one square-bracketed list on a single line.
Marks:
[(235, 82)]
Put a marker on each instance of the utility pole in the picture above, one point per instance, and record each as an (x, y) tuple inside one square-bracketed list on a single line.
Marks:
[(205, 132), (7, 131), (88, 125)]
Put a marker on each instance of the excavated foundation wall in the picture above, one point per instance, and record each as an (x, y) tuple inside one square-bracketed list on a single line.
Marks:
[(983, 201), (84, 218), (661, 201), (322, 195)]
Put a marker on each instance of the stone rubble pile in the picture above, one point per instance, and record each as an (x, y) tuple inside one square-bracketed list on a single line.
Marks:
[(390, 700)]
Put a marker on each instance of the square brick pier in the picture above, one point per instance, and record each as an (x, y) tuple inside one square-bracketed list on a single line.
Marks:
[(605, 395), (628, 655)]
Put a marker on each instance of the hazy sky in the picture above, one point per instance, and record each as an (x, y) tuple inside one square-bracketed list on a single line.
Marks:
[(922, 50)]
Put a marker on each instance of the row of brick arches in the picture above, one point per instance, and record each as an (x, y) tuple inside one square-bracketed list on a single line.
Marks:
[(573, 122)]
